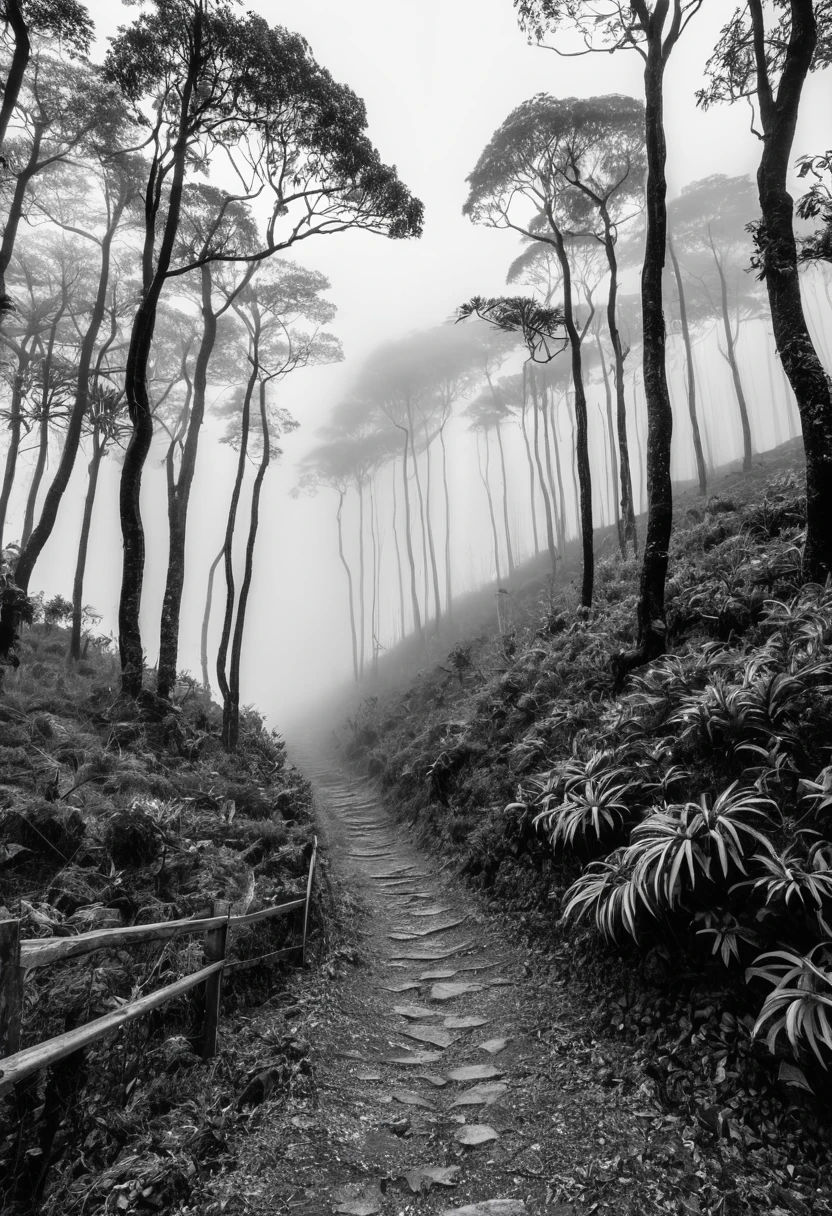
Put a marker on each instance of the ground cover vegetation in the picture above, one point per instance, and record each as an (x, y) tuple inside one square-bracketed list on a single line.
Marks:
[(109, 817), (666, 841)]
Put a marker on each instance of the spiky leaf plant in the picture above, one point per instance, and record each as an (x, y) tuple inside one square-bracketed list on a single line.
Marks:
[(800, 1004), (676, 847), (796, 882), (605, 894)]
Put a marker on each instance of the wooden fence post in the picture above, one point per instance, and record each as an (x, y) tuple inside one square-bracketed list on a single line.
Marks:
[(11, 987), (215, 943), (309, 881)]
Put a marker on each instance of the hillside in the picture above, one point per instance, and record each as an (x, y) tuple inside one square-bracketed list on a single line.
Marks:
[(114, 814), (656, 842)]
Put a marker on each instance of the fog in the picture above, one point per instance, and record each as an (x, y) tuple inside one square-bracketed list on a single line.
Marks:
[(438, 78)]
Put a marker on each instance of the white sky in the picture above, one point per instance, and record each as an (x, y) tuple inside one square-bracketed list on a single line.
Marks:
[(438, 76)]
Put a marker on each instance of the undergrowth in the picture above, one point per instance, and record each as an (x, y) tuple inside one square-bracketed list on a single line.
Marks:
[(113, 814), (671, 844)]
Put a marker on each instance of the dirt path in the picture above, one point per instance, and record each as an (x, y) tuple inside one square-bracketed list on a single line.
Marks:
[(450, 1076)]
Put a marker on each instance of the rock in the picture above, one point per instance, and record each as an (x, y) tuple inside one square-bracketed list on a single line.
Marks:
[(447, 992), (490, 1207), (472, 1134), (429, 1034), (475, 1072)]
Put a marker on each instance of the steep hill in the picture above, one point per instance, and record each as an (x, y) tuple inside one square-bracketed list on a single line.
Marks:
[(111, 815)]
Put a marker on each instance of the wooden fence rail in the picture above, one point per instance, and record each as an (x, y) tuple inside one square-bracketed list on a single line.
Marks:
[(16, 958)]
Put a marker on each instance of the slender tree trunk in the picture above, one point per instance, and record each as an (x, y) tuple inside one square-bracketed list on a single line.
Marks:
[(245, 586), (408, 534), (561, 492), (434, 566), (43, 430), (15, 426), (557, 523), (225, 636), (776, 243), (530, 463), (136, 390), (179, 497), (75, 424), (15, 211), (652, 629), (509, 552), (582, 447), (639, 448), (575, 495), (627, 508), (374, 602), (486, 482), (83, 544), (449, 599), (691, 376), (362, 623), (206, 617), (775, 412), (421, 498), (620, 527), (731, 357), (402, 619), (529, 375), (17, 67), (345, 564)]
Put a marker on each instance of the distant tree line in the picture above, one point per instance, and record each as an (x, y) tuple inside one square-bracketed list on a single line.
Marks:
[(128, 280)]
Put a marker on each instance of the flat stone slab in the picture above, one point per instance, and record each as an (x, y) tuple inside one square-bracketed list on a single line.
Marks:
[(408, 986), (493, 1046), (432, 956), (417, 1058), (423, 1177), (475, 1072), (407, 935), (472, 1134), (447, 992), (408, 1098), (490, 1207), (480, 1095), (416, 1013), (429, 1034), (464, 1023)]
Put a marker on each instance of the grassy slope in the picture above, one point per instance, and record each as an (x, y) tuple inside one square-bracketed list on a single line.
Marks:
[(474, 747), (108, 820)]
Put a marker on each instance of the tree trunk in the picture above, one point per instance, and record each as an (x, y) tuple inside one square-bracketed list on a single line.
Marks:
[(362, 623), (541, 481), (135, 387), (245, 587), (775, 412), (17, 67), (731, 357), (639, 448), (485, 481), (83, 543), (374, 601), (345, 564), (691, 376), (561, 491), (43, 429), (776, 243), (449, 599), (582, 447), (225, 636), (15, 425), (627, 507), (434, 567), (530, 463), (402, 621), (75, 425), (15, 212), (408, 534), (576, 499), (619, 521), (607, 484), (509, 551), (206, 617), (421, 498), (652, 629), (557, 521), (179, 499)]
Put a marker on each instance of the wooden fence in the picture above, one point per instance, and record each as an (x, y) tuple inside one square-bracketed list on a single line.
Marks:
[(18, 957)]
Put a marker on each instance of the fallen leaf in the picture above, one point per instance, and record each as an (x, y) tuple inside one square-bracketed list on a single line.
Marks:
[(473, 1134)]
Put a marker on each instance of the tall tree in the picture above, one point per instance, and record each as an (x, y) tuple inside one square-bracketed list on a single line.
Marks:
[(766, 54), (651, 28), (684, 324), (215, 80)]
